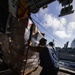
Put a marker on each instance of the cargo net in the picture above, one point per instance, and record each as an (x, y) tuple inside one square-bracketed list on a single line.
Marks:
[(13, 46)]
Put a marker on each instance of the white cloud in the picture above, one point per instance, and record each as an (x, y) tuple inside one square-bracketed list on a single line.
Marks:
[(50, 21), (71, 27), (68, 31), (53, 22), (42, 11), (63, 21), (62, 34), (61, 27), (59, 24)]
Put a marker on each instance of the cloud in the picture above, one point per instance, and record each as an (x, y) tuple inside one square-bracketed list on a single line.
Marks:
[(68, 31), (53, 22), (61, 27), (62, 34), (42, 11), (47, 20), (71, 27)]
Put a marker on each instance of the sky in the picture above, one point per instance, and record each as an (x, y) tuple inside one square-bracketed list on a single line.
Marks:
[(61, 29)]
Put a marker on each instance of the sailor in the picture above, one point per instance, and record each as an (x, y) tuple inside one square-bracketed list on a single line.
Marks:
[(53, 70), (47, 60)]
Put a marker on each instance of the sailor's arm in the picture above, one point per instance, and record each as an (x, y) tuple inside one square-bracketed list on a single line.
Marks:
[(36, 49)]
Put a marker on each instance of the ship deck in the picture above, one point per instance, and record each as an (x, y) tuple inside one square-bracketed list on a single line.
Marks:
[(62, 71)]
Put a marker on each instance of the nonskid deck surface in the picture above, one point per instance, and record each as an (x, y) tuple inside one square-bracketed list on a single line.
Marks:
[(62, 71), (67, 65)]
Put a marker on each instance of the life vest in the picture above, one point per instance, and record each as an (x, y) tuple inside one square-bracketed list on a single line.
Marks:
[(54, 57)]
